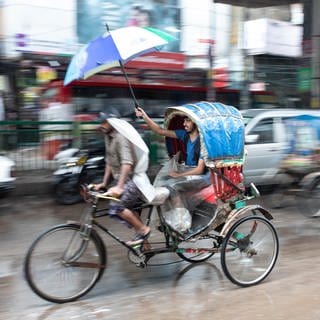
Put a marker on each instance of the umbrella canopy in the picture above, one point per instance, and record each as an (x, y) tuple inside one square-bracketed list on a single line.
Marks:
[(114, 48)]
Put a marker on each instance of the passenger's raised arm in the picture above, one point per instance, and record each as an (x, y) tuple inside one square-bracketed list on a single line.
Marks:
[(154, 126)]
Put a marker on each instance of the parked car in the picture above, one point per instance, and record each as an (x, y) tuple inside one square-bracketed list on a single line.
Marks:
[(266, 142), (7, 179)]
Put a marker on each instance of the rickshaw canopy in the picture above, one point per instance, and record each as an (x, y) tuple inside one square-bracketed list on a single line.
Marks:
[(221, 129)]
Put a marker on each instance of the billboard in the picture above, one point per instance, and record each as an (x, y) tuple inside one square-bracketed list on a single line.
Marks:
[(35, 27), (93, 15), (268, 36)]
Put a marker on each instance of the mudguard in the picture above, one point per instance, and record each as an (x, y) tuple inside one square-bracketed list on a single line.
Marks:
[(239, 213)]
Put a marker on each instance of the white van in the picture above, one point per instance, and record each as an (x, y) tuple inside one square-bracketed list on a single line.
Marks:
[(266, 142)]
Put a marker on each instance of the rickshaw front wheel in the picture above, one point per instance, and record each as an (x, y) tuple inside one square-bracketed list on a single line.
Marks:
[(249, 251)]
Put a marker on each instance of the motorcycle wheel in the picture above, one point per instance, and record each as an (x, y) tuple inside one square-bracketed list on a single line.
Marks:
[(67, 191)]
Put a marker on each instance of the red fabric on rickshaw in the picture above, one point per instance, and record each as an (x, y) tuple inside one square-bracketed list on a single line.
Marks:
[(222, 189)]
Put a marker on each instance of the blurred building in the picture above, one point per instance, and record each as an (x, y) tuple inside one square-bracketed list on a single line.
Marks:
[(240, 46), (292, 72), (36, 36)]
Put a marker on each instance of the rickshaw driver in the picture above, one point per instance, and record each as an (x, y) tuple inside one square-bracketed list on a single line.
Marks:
[(120, 164), (194, 164)]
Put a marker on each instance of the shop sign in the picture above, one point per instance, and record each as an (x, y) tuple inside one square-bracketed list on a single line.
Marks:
[(220, 77), (304, 79), (45, 74), (159, 61)]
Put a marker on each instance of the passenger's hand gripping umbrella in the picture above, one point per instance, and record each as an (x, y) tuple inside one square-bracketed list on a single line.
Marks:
[(115, 48)]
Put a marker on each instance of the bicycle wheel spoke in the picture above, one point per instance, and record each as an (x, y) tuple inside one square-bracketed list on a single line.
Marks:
[(85, 264)]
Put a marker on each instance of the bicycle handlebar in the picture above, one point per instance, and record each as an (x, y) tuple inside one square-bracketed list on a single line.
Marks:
[(87, 191)]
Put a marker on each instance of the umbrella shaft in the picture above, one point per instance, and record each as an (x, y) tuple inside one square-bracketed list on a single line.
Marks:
[(136, 104)]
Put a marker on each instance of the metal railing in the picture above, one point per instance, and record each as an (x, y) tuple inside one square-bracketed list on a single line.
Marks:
[(34, 144)]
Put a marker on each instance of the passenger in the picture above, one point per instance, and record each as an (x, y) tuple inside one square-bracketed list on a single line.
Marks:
[(120, 164), (194, 163)]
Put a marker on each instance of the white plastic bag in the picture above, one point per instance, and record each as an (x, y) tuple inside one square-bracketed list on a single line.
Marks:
[(178, 218), (162, 176)]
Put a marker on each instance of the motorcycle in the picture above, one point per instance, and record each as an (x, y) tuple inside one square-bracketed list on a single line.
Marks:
[(85, 166)]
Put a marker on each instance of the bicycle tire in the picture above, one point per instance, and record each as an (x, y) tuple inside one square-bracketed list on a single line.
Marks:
[(308, 202), (61, 266), (249, 251)]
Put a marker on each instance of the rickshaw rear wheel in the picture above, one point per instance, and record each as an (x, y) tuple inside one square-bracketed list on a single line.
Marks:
[(249, 251)]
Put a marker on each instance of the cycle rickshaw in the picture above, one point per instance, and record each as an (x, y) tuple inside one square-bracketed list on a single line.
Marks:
[(300, 166), (66, 261)]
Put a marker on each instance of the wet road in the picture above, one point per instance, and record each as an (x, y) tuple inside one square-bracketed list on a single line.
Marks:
[(173, 291)]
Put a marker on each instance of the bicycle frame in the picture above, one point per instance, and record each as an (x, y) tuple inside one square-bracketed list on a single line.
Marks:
[(96, 213), (172, 238)]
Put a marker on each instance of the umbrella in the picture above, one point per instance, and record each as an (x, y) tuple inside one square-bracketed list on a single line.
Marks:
[(115, 48)]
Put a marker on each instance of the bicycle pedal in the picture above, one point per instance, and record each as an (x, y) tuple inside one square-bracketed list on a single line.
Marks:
[(137, 257)]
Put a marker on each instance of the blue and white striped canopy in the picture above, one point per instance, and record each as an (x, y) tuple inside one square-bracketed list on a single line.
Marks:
[(220, 126)]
